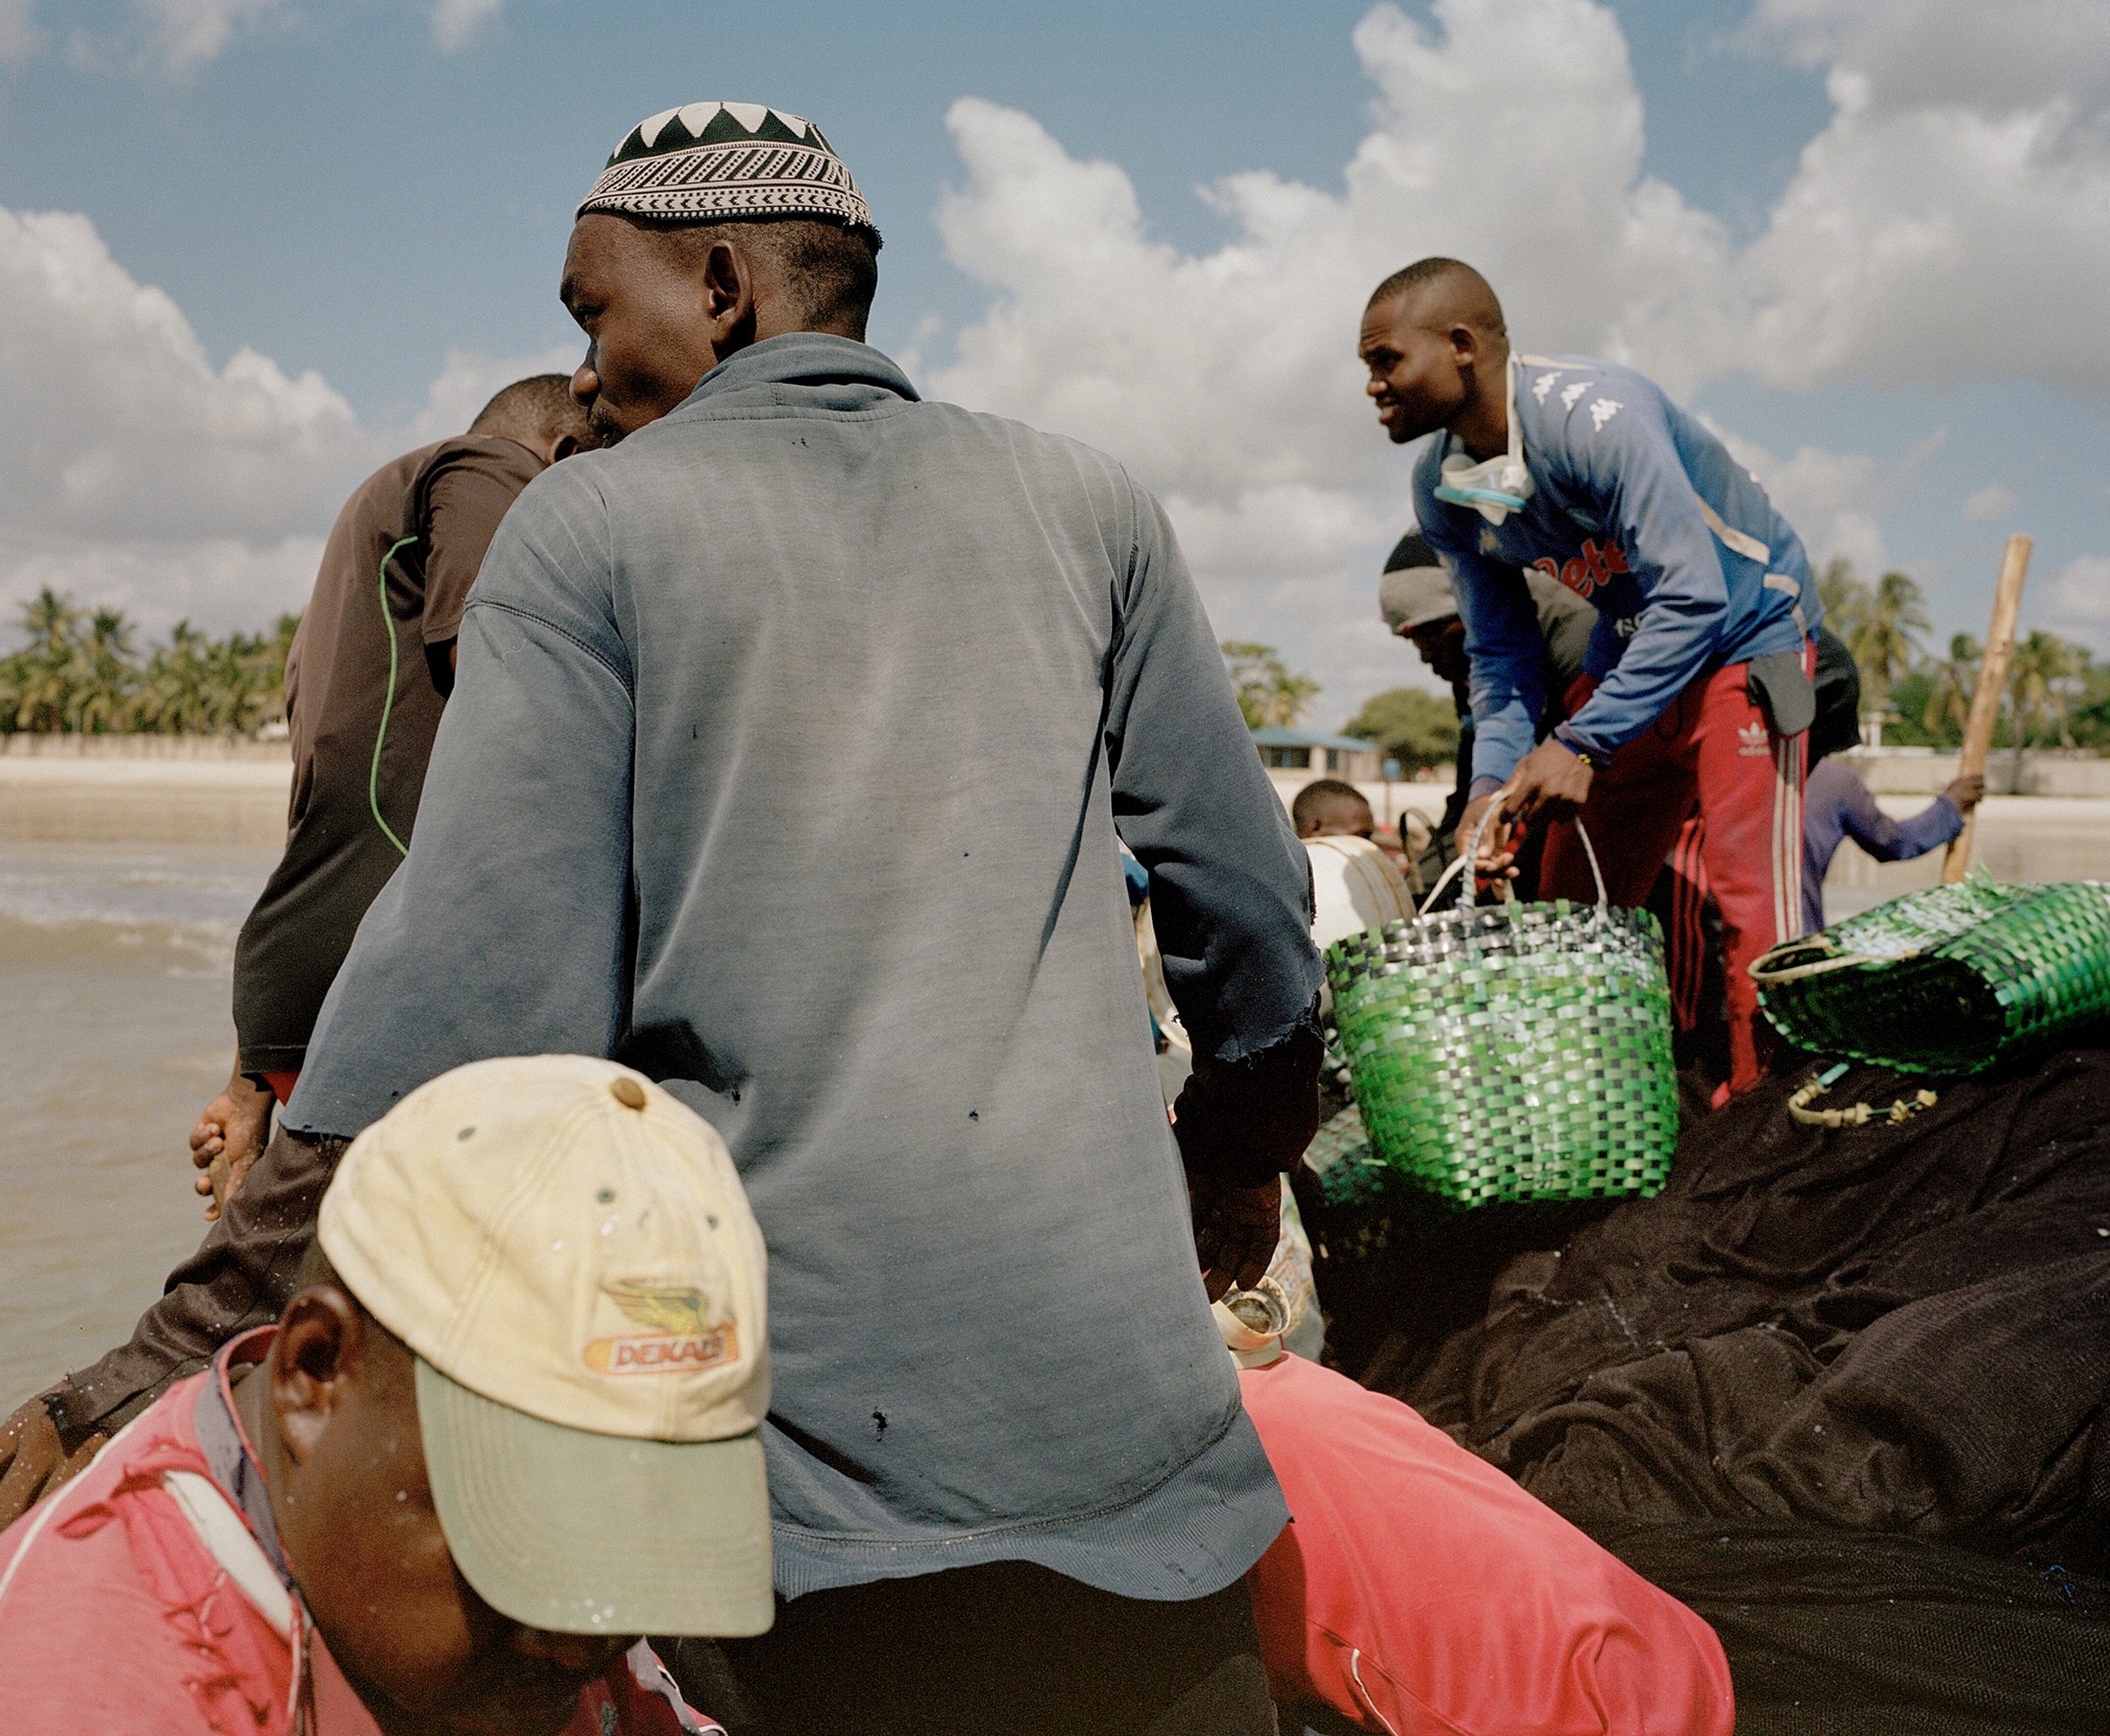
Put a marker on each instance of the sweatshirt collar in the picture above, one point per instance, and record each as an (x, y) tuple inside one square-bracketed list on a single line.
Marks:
[(814, 359)]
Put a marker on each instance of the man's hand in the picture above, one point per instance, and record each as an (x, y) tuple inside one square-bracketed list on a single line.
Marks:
[(1496, 859), (33, 1459), (1235, 1232), (229, 1134), (1552, 783), (1966, 792)]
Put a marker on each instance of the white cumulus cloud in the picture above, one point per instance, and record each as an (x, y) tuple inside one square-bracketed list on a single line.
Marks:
[(172, 36), (468, 379), (142, 474), (1951, 223), (456, 22), (151, 480), (2078, 600), (20, 36), (137, 433), (1994, 501)]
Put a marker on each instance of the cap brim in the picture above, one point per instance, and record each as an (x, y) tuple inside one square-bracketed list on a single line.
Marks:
[(576, 1533)]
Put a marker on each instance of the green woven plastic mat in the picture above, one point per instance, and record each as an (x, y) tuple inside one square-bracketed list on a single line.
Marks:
[(1510, 1053), (1948, 981)]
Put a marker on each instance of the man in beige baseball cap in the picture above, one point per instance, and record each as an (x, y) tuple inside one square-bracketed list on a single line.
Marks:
[(568, 1251), (508, 1423)]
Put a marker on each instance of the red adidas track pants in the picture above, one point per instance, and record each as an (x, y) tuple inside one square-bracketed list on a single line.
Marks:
[(1711, 747)]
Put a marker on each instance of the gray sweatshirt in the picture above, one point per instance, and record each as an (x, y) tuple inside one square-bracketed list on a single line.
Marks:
[(788, 753)]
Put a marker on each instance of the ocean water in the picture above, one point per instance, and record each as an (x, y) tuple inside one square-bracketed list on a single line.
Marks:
[(119, 905), (118, 913)]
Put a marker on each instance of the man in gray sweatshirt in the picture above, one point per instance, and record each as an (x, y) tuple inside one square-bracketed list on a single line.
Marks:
[(794, 742)]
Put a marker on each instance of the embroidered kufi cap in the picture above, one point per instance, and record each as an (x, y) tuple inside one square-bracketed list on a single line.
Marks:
[(712, 162)]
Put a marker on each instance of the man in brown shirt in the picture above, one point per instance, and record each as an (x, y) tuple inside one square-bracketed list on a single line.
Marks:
[(369, 674), (363, 695)]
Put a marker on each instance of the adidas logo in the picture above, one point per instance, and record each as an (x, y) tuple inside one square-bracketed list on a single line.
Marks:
[(1752, 739)]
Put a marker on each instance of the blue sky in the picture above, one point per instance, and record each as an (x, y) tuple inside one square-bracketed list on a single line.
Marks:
[(377, 193)]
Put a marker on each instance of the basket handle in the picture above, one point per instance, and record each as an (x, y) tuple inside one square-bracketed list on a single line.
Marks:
[(1766, 976), (1487, 814)]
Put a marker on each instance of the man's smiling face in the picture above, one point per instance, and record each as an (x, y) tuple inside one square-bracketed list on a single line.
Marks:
[(1415, 377)]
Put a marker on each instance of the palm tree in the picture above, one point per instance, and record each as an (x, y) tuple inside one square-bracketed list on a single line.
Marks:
[(43, 686), (82, 673), (1949, 697), (1268, 692), (1845, 597), (2043, 675), (1885, 641), (104, 672), (172, 700)]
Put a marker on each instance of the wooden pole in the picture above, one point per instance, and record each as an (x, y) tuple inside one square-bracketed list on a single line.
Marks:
[(1985, 697)]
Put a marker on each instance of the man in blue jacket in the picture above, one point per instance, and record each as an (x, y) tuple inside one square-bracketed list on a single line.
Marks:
[(1696, 691)]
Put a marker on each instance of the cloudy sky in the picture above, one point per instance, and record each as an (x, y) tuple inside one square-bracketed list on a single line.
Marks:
[(249, 248)]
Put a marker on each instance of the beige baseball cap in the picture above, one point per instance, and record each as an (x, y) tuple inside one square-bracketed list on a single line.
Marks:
[(568, 1250)]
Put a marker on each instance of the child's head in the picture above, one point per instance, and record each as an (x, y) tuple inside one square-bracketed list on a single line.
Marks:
[(1329, 808)]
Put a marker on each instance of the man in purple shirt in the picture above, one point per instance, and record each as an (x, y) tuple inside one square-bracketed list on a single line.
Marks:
[(1836, 805)]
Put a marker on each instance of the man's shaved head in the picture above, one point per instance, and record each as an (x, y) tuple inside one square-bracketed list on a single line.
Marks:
[(539, 412), (1437, 350), (828, 272), (1447, 290)]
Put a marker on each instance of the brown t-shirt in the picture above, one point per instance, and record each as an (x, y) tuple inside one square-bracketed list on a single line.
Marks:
[(450, 498)]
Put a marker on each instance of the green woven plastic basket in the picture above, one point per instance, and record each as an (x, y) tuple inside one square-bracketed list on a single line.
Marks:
[(1952, 980), (1508, 1052)]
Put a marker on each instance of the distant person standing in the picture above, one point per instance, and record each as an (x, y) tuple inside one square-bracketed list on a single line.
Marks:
[(1697, 687), (1838, 807), (369, 674)]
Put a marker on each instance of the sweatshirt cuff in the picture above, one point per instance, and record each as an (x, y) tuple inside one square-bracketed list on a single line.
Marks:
[(1576, 743), (1483, 787), (1239, 1123)]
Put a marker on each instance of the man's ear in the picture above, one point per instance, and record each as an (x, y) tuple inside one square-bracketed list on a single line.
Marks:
[(318, 1352), (562, 448), (728, 288), (1465, 346)]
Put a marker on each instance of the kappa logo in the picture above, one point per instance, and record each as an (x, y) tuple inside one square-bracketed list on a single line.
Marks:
[(1590, 572), (1570, 393), (1602, 410), (686, 1339), (1543, 383), (1751, 737)]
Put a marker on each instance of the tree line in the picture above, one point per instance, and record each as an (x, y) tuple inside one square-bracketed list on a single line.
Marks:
[(83, 672), (2057, 695)]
